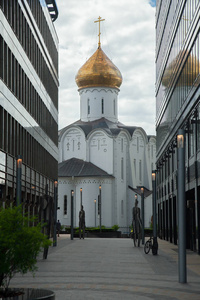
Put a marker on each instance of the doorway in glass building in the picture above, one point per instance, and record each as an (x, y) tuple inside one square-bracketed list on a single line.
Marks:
[(190, 220)]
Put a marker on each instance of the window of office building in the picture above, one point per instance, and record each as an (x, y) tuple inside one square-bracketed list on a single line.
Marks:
[(17, 81)]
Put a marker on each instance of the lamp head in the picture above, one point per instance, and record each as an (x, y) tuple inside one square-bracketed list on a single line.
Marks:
[(153, 175)]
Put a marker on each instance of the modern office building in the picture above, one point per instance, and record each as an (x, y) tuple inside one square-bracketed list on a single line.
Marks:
[(178, 107), (28, 100)]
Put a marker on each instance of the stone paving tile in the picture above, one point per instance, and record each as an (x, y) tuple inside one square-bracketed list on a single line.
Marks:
[(111, 269)]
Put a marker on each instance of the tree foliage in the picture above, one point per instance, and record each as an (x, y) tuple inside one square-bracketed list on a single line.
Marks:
[(19, 244)]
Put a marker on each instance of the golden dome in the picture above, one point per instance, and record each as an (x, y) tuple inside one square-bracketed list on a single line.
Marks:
[(191, 72), (98, 71)]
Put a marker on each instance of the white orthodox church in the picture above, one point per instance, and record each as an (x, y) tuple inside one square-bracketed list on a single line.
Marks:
[(101, 159)]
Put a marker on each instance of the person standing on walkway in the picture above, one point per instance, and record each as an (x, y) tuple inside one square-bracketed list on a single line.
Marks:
[(58, 227), (82, 222)]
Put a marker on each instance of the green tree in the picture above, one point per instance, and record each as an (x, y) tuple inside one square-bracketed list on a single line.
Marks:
[(19, 244)]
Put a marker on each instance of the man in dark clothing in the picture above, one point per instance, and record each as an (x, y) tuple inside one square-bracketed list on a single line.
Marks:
[(58, 227), (81, 222)]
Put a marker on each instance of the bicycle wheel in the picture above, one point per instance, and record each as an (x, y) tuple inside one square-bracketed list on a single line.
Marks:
[(147, 247)]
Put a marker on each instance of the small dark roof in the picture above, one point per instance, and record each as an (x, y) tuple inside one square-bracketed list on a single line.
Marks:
[(80, 168), (150, 136), (110, 127), (147, 192)]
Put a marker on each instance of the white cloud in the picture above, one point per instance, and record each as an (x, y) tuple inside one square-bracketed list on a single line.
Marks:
[(128, 39)]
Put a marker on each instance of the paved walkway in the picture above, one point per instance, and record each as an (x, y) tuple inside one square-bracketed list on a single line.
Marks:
[(113, 269)]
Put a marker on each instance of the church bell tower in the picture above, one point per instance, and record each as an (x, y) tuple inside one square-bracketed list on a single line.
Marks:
[(98, 81)]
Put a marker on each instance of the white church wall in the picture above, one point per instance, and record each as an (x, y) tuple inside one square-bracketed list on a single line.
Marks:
[(60, 152), (121, 165), (100, 147), (90, 192), (137, 149), (131, 204), (97, 103), (73, 144), (65, 185)]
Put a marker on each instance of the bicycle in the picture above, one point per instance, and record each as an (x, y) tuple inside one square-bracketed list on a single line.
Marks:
[(148, 245)]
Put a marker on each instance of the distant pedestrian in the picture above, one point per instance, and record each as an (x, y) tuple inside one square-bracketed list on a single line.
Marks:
[(58, 227), (82, 222)]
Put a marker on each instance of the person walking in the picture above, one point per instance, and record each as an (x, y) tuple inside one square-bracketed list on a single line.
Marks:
[(82, 222), (58, 227)]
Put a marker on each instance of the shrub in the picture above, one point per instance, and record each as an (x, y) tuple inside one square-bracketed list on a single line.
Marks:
[(19, 244), (115, 227)]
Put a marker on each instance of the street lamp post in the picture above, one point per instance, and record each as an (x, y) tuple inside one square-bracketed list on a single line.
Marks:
[(142, 211), (95, 211), (55, 212), (181, 207), (100, 208), (72, 214), (81, 190), (155, 243), (18, 180)]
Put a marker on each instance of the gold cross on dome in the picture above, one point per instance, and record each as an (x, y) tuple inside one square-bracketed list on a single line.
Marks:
[(99, 20)]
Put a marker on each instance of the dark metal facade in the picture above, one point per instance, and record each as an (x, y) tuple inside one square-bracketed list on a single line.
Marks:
[(28, 101), (178, 106)]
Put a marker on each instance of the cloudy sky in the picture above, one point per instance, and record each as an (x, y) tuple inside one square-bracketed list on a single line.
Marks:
[(127, 38)]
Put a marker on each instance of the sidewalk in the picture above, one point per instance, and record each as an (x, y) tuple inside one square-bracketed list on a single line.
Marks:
[(113, 269)]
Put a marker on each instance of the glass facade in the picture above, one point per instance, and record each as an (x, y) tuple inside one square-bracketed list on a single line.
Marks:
[(178, 106), (28, 100)]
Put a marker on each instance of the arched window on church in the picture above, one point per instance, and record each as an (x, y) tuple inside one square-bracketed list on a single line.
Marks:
[(140, 170), (122, 168), (151, 151), (73, 145), (88, 106), (65, 205), (102, 106), (138, 144), (114, 107), (134, 163)]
